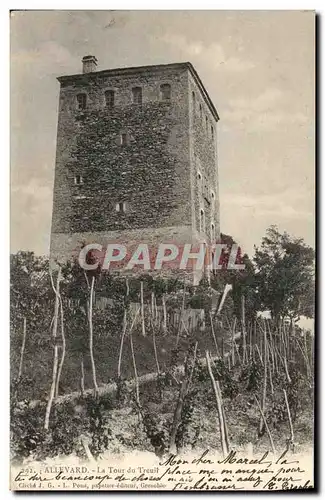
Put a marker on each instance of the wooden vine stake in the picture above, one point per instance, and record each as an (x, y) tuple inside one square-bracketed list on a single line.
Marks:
[(221, 415), (292, 437), (233, 342), (22, 351), (180, 324), (82, 375), (55, 348), (63, 349), (188, 369), (136, 378), (123, 331), (266, 426), (155, 347), (142, 310), (243, 329), (214, 336), (284, 345), (164, 325), (262, 421), (91, 335)]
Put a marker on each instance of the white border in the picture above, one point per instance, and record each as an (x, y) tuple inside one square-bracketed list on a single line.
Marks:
[(4, 198)]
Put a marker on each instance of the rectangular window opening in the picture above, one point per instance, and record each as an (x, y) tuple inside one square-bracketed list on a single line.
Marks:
[(202, 221), (78, 180), (124, 139), (193, 100), (121, 207), (81, 101), (165, 92), (110, 98), (213, 232), (137, 95)]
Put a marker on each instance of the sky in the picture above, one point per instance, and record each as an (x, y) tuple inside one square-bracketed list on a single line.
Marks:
[(257, 66)]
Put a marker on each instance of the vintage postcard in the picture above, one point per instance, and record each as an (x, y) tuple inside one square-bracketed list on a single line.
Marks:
[(162, 250)]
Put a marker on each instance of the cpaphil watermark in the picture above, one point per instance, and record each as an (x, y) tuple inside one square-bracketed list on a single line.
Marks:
[(163, 256)]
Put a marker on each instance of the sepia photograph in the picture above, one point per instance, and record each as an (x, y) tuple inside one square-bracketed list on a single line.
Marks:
[(162, 250)]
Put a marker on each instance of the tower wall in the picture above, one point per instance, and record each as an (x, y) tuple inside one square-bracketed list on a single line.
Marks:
[(151, 172), (204, 165)]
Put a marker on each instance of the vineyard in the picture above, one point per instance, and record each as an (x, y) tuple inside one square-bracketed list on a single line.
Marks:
[(113, 364)]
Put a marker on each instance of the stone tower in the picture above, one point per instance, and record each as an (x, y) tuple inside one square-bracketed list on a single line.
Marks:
[(136, 158)]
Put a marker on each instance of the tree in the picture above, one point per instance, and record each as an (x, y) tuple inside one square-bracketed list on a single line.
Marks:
[(285, 275), (242, 280)]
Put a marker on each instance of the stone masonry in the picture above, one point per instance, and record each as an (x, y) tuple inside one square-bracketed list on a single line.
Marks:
[(136, 159)]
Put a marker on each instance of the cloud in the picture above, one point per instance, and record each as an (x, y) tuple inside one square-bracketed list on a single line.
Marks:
[(212, 55), (285, 205), (233, 64), (263, 102), (57, 54), (50, 57), (266, 111), (30, 217), (270, 121), (246, 216), (33, 196), (253, 121)]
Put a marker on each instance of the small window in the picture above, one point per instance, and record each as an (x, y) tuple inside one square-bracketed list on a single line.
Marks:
[(110, 98), (78, 179), (212, 132), (165, 92), (213, 232), (206, 191), (201, 112), (207, 124), (212, 195), (199, 176), (124, 139), (193, 100), (202, 221), (81, 101), (137, 95), (121, 207)]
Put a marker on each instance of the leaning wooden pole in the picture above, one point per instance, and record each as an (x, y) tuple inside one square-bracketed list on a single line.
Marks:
[(292, 437), (22, 351), (180, 324), (136, 378), (63, 350), (233, 343), (82, 375), (266, 426), (188, 372), (123, 331), (164, 325), (264, 380), (214, 336), (55, 349), (91, 335), (243, 329), (155, 348), (283, 343), (217, 393), (142, 310), (308, 369), (270, 374), (153, 309)]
